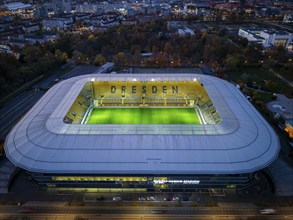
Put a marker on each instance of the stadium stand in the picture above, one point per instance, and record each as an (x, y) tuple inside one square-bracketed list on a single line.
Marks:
[(175, 91), (80, 106)]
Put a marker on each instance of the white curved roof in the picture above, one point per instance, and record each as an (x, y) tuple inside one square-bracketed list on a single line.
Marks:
[(244, 142)]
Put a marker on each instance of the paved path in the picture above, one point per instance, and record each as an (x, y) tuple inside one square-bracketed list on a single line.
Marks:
[(7, 172), (282, 78), (282, 101)]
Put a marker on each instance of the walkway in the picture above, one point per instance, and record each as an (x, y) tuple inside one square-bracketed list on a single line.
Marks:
[(7, 172), (282, 78), (282, 175)]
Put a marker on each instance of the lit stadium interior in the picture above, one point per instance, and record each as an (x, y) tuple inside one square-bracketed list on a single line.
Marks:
[(142, 102)]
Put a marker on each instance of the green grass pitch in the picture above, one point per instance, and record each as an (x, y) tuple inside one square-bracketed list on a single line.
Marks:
[(143, 116)]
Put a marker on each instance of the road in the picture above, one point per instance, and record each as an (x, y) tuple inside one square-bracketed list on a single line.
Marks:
[(276, 24), (139, 212), (140, 217), (12, 111), (200, 204)]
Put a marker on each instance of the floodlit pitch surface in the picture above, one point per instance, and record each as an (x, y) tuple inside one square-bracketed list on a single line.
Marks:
[(143, 116)]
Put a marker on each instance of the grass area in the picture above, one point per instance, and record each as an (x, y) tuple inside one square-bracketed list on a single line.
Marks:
[(143, 116), (286, 73), (264, 96), (257, 74), (260, 76)]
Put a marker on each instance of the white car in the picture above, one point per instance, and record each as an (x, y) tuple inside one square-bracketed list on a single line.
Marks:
[(267, 211), (116, 198)]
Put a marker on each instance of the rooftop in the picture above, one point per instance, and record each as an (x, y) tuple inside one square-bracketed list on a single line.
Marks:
[(16, 6)]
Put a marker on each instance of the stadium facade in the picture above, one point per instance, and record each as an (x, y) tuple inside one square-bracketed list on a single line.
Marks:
[(53, 143)]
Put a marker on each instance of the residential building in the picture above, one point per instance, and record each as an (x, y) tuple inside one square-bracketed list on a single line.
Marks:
[(57, 23)]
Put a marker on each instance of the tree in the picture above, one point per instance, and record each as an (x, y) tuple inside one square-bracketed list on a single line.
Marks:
[(220, 51), (271, 86), (234, 61), (162, 60), (214, 41), (78, 57), (91, 37), (107, 51), (61, 56), (27, 72), (45, 64), (155, 50), (206, 53), (99, 60), (204, 35), (65, 44), (137, 58), (253, 53), (120, 59), (243, 42), (135, 49), (168, 48), (255, 95), (10, 76), (278, 53), (32, 54)]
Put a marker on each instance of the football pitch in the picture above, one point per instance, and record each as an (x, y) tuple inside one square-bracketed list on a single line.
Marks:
[(143, 116)]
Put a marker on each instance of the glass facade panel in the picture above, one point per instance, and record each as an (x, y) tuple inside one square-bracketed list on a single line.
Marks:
[(149, 183)]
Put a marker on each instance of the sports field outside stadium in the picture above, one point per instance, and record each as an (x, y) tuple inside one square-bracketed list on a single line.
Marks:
[(143, 116)]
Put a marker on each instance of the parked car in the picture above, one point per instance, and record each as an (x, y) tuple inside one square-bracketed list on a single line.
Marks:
[(168, 198), (267, 211), (185, 198), (100, 198), (151, 198), (157, 211)]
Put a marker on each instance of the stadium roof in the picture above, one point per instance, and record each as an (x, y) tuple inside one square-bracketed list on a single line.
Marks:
[(243, 142)]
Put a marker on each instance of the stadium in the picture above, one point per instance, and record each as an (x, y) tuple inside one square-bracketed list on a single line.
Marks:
[(143, 132)]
